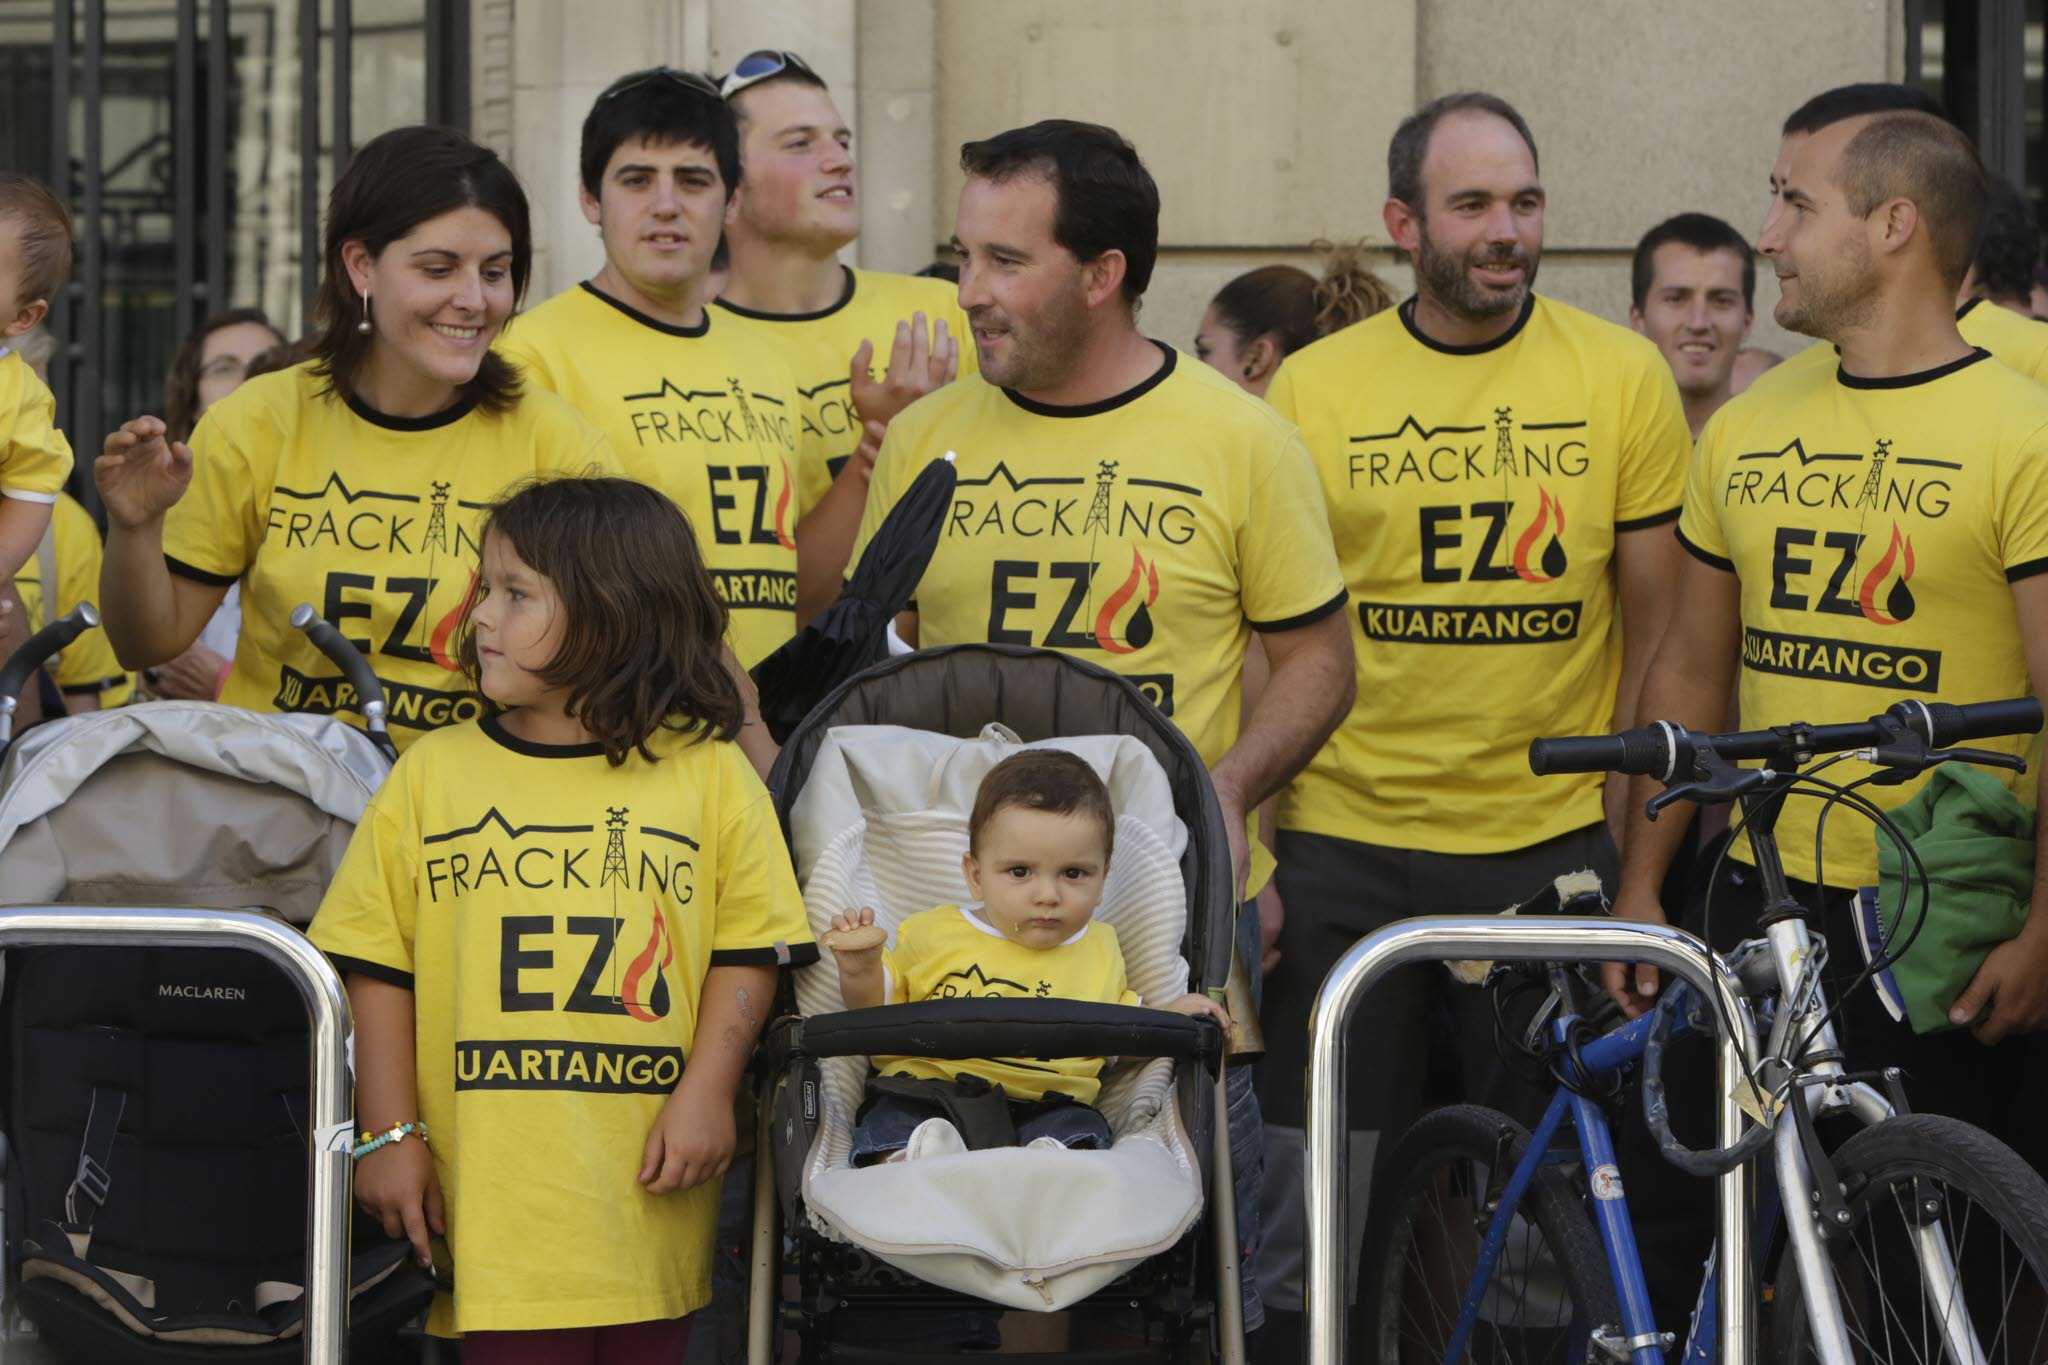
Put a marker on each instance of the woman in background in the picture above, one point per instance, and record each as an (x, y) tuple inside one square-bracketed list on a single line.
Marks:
[(1262, 317)]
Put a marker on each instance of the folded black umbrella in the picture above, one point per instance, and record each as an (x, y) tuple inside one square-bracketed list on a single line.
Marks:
[(850, 634)]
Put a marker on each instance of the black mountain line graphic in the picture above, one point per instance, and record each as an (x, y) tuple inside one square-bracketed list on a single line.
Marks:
[(1012, 480), (1162, 483), (1552, 426), (1410, 424), (1931, 464), (492, 817), (348, 494), (668, 390), (1798, 447), (668, 834), (975, 974), (818, 389), (765, 398)]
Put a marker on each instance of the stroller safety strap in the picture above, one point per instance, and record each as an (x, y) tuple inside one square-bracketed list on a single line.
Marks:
[(93, 1180)]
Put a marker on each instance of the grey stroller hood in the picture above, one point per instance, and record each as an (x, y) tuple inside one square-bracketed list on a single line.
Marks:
[(183, 804)]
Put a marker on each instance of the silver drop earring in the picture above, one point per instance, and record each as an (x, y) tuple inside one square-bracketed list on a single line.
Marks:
[(364, 326)]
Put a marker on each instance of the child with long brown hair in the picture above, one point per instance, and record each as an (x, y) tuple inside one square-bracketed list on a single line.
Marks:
[(560, 927)]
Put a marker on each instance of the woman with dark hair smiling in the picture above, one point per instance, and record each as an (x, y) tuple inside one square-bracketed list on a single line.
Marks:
[(352, 480)]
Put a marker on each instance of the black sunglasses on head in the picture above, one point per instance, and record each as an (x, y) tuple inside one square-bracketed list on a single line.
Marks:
[(688, 80)]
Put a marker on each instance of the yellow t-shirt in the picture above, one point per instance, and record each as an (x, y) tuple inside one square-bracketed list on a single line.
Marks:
[(819, 348), (950, 954), (306, 497), (1875, 526), (1476, 494), (554, 917), (87, 665), (1149, 533), (706, 414), (2018, 343), (35, 459)]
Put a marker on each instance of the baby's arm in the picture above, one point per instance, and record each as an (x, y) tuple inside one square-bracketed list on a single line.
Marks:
[(856, 943), (22, 523), (693, 1137), (1196, 1004)]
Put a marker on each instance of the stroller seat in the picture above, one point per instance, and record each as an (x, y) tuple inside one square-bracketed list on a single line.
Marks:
[(881, 821)]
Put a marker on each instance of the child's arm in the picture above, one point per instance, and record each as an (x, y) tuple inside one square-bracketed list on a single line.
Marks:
[(1196, 1004), (395, 1184), (693, 1139), (862, 983), (22, 523)]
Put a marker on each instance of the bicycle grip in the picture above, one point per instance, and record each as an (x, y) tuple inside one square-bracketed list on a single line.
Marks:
[(1952, 724), (45, 645), (1643, 752)]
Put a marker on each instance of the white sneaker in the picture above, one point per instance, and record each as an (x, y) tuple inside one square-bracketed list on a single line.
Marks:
[(934, 1137), (1045, 1144)]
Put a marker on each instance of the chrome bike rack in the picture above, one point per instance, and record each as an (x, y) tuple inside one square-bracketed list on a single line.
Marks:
[(1446, 938), (328, 1098)]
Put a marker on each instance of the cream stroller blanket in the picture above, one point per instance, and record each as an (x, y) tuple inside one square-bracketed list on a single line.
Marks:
[(882, 822)]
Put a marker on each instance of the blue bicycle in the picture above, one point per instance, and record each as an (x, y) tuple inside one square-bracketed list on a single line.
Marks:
[(1918, 1239)]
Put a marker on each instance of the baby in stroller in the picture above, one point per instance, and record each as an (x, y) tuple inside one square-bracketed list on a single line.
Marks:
[(1040, 836)]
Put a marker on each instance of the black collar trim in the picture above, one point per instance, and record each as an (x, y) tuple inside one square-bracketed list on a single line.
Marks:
[(1964, 311), (1907, 381), (1407, 311), (665, 328), (494, 728), (824, 312), (431, 422), (1109, 404)]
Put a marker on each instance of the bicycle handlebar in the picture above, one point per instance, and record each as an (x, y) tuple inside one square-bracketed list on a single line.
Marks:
[(1666, 751)]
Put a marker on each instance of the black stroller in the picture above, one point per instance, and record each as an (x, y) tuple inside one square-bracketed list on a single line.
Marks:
[(1136, 1244)]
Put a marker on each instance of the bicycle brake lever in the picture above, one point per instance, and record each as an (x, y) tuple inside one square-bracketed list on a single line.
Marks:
[(1982, 758), (1727, 785)]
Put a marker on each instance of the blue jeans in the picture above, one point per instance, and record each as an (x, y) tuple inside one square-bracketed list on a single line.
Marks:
[(887, 1121)]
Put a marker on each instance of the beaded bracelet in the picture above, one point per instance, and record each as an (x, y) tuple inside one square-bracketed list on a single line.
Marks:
[(398, 1132)]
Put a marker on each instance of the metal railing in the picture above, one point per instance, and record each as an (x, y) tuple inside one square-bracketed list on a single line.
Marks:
[(1443, 938), (328, 1098)]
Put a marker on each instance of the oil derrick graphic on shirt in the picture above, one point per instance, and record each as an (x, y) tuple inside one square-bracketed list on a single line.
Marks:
[(1529, 566), (1098, 510), (748, 421), (614, 876), (1896, 605)]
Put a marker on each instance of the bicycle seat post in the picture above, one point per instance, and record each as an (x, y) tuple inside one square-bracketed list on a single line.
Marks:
[(1784, 924)]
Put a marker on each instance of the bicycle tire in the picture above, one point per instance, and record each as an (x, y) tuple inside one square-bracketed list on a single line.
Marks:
[(1884, 1171), (1458, 1145)]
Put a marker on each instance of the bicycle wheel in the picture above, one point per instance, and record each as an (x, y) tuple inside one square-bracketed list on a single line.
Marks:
[(1547, 1290), (1993, 1212)]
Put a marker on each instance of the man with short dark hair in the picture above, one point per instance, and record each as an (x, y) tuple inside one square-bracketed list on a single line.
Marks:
[(2009, 333), (1861, 531), (1120, 501), (1502, 472), (697, 407), (798, 208), (1694, 285)]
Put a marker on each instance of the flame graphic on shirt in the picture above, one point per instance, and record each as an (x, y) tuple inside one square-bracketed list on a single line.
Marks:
[(1138, 630), (446, 627), (1897, 604), (782, 510), (1550, 566), (656, 1006)]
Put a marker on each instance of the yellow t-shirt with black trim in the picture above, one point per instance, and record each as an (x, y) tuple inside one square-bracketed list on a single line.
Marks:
[(820, 346), (952, 954), (2016, 342), (1150, 533), (554, 917), (706, 414), (1476, 494), (87, 665), (1875, 527), (306, 497), (35, 459)]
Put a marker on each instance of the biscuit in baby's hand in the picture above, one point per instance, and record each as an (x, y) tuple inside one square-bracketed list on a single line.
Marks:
[(858, 939)]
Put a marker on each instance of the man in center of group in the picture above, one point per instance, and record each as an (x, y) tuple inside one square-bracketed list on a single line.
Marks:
[(1502, 473), (1118, 500), (799, 207), (1693, 282), (701, 409)]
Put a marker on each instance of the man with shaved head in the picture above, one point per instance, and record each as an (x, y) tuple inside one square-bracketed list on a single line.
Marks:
[(1862, 531)]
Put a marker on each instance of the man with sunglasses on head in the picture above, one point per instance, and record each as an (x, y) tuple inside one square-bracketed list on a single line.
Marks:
[(838, 327), (694, 403)]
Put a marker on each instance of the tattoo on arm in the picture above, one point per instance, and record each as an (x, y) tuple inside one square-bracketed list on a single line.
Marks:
[(746, 1004)]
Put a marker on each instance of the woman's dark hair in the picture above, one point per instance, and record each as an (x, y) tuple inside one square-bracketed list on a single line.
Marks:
[(1106, 199), (399, 180), (1291, 305), (181, 385), (643, 639)]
